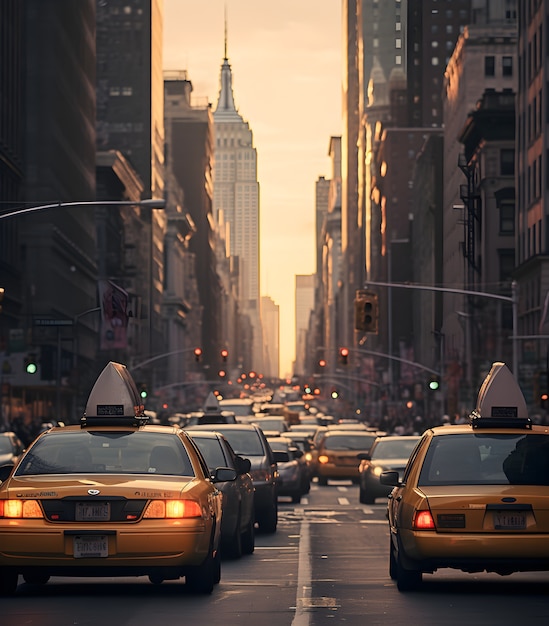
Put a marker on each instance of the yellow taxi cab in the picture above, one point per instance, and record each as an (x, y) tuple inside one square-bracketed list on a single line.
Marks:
[(112, 496), (474, 497)]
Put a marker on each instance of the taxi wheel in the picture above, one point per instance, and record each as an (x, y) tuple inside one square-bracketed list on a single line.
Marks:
[(8, 582), (322, 481), (201, 579), (392, 561), (407, 579), (248, 538)]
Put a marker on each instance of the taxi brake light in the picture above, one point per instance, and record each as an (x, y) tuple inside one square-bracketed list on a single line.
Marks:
[(323, 459), (172, 509), (20, 509), (423, 520)]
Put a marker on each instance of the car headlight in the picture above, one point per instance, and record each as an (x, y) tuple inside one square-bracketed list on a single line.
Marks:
[(378, 470)]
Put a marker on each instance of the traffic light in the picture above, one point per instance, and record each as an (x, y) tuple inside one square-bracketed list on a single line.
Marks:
[(197, 354), (434, 383), (343, 355), (224, 355), (143, 392), (31, 365), (307, 389), (222, 373), (322, 363), (366, 311), (335, 394)]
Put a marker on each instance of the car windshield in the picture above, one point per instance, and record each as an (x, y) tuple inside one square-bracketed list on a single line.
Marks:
[(244, 442), (394, 449), (84, 452), (348, 442), (487, 459)]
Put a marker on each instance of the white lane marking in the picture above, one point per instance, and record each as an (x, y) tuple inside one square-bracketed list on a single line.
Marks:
[(343, 501), (302, 616)]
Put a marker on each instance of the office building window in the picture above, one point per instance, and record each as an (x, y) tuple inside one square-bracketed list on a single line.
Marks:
[(489, 66), (507, 66), (507, 162)]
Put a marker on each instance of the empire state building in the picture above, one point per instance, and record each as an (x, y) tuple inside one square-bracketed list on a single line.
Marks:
[(236, 195)]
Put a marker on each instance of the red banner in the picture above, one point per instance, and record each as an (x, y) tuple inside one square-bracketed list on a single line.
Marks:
[(114, 315)]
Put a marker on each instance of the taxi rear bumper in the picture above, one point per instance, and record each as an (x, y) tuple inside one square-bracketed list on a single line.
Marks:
[(475, 552), (155, 546)]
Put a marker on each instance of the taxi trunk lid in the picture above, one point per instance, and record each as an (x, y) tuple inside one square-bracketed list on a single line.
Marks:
[(488, 508)]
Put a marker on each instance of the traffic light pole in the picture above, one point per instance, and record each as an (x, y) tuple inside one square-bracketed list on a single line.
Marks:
[(513, 299), (160, 356)]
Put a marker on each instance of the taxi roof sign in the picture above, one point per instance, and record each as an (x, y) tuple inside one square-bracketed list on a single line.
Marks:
[(114, 397), (500, 400)]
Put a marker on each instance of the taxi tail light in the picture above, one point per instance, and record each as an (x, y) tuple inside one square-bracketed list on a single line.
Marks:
[(423, 520), (20, 509), (172, 509), (323, 459)]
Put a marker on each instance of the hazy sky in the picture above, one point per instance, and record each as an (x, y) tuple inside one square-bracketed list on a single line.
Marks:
[(286, 63)]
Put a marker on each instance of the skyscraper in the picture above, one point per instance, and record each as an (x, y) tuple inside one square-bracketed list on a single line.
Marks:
[(236, 194)]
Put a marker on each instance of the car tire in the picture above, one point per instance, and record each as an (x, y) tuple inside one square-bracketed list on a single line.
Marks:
[(296, 498), (322, 481), (269, 520), (8, 582), (248, 538), (392, 561), (364, 497), (407, 579), (232, 547), (202, 578), (36, 578), (217, 568)]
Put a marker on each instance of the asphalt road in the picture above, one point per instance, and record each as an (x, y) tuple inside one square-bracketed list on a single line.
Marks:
[(326, 564)]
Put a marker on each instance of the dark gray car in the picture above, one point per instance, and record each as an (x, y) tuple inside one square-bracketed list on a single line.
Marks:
[(248, 441)]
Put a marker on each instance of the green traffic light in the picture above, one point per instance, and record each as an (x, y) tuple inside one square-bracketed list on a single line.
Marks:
[(31, 368), (434, 385)]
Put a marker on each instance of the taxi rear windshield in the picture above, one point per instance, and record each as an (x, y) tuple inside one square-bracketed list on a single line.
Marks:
[(107, 453), (487, 459)]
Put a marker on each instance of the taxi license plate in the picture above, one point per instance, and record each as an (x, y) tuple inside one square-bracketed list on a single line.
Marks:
[(92, 512), (90, 546), (510, 520)]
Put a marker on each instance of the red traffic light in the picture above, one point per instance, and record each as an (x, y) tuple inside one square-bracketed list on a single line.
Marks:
[(197, 354), (322, 363), (343, 355), (224, 355)]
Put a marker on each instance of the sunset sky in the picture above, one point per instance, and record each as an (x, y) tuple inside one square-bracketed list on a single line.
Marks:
[(286, 64)]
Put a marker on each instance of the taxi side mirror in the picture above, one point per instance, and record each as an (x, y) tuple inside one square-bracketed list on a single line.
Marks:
[(363, 456)]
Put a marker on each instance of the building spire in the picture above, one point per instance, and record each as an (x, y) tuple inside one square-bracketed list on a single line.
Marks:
[(226, 109), (225, 57)]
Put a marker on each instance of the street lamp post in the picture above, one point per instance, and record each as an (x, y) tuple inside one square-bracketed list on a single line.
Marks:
[(151, 203)]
